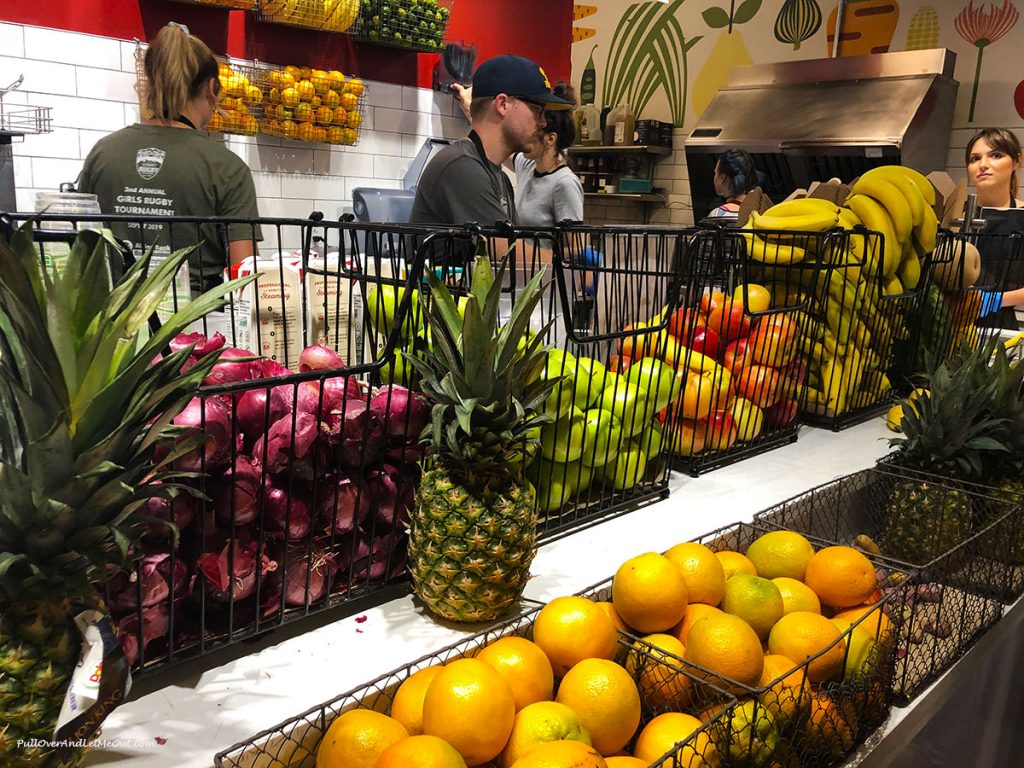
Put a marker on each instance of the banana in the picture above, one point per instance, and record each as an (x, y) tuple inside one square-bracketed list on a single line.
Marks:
[(909, 271), (810, 218), (802, 206), (920, 181), (924, 236), (771, 253), (891, 198), (910, 193), (892, 286), (876, 218)]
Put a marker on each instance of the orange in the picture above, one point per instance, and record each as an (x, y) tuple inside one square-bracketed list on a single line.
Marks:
[(655, 662), (609, 608), (470, 706), (289, 97), (421, 752), (665, 731), (727, 647), (357, 738), (649, 592), (786, 699), (306, 90), (780, 553), (702, 571), (694, 611), (841, 576), (524, 666), (407, 706), (541, 722), (625, 761), (754, 599), (733, 563), (796, 596), (354, 86), (605, 697), (561, 754), (570, 629), (803, 635), (830, 727), (877, 623)]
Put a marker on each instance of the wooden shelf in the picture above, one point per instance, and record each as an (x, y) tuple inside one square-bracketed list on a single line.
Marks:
[(636, 197), (627, 149)]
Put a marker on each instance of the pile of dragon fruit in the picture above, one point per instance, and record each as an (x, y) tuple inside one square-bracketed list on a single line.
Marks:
[(297, 491)]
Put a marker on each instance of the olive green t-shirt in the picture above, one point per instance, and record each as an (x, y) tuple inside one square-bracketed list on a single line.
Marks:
[(155, 170)]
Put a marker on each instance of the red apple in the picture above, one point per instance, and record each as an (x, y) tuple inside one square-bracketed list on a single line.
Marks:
[(770, 345), (759, 384), (682, 322), (688, 437), (738, 355), (729, 320), (619, 363), (780, 414), (705, 341), (711, 301), (721, 431)]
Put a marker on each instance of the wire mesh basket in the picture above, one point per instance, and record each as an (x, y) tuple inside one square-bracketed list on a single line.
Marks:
[(322, 15), (945, 535), (22, 119), (967, 269), (418, 25), (312, 105), (295, 741)]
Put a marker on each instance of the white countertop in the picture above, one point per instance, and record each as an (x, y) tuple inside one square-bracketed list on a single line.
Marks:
[(203, 708)]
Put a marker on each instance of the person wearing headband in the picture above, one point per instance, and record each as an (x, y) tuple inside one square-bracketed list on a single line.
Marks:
[(167, 165), (735, 176)]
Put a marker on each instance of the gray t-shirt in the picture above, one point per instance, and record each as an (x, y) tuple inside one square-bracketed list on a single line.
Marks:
[(460, 185), (544, 199), (156, 170)]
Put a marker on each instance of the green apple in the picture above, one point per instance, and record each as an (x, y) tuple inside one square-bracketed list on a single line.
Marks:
[(582, 475), (382, 304), (531, 448), (553, 493), (651, 440), (601, 438), (749, 419), (655, 379), (571, 391), (627, 404), (627, 470), (399, 371), (594, 372), (563, 439)]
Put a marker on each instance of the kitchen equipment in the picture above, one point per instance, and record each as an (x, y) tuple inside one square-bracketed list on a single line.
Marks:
[(395, 205), (812, 120), (16, 122)]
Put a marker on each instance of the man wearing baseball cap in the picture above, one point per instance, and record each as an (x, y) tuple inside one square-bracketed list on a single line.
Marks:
[(464, 182)]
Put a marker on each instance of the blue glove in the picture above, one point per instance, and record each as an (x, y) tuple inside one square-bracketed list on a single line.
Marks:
[(592, 258), (991, 302)]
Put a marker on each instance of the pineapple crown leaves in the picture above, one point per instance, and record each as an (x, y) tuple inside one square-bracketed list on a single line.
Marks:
[(86, 399), (484, 382), (958, 428)]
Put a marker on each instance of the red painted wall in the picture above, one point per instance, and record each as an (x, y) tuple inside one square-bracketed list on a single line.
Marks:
[(539, 29)]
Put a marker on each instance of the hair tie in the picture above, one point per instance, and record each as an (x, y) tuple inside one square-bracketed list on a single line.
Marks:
[(741, 181), (182, 27)]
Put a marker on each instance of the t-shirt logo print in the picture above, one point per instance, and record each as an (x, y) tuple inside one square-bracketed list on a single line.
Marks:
[(149, 161)]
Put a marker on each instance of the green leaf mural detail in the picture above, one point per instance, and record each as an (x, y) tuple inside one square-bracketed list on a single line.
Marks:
[(716, 18), (798, 20), (648, 52), (747, 10)]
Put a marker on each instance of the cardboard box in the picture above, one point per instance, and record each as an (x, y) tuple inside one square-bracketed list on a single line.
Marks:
[(274, 305), (334, 307)]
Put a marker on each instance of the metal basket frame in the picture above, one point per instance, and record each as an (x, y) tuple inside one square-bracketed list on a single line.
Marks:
[(378, 16)]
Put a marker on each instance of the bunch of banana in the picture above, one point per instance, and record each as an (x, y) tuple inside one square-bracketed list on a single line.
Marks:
[(803, 218)]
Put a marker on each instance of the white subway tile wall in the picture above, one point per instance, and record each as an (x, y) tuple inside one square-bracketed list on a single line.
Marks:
[(89, 84)]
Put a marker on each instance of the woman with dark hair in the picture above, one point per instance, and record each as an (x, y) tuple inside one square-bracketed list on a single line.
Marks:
[(735, 176), (166, 165)]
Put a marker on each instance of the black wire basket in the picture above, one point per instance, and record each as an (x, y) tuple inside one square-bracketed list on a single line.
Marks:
[(295, 741), (944, 535), (417, 25)]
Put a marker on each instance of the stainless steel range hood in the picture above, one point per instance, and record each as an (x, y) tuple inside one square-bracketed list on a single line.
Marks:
[(811, 120)]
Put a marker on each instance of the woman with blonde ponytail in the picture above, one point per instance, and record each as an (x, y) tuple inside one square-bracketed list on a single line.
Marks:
[(167, 165)]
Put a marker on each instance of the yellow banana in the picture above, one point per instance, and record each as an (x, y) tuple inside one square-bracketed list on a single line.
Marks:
[(910, 191), (772, 253), (814, 218), (891, 198), (802, 206), (924, 236), (877, 219), (909, 271), (920, 181), (892, 286)]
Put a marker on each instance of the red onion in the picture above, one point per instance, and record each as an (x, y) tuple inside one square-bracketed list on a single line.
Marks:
[(284, 513), (203, 345), (403, 413), (152, 579), (155, 623), (211, 416), (232, 580), (285, 441), (343, 503), (235, 494), (360, 437), (227, 371), (267, 369), (393, 497), (319, 358), (180, 510), (316, 565)]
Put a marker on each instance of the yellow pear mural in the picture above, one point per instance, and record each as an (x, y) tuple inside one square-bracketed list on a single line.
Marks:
[(729, 51)]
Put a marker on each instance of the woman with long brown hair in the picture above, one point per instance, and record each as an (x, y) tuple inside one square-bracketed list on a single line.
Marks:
[(166, 165)]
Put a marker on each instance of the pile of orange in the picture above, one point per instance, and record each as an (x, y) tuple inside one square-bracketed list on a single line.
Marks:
[(770, 625)]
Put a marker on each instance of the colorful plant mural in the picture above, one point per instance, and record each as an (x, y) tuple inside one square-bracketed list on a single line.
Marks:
[(923, 30), (868, 27), (797, 21), (581, 12), (981, 28), (729, 51), (648, 52)]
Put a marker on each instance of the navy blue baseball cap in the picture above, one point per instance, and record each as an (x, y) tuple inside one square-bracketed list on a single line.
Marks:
[(518, 77)]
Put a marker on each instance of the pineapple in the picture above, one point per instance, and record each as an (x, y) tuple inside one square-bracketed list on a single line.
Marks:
[(83, 408), (474, 523), (953, 432)]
